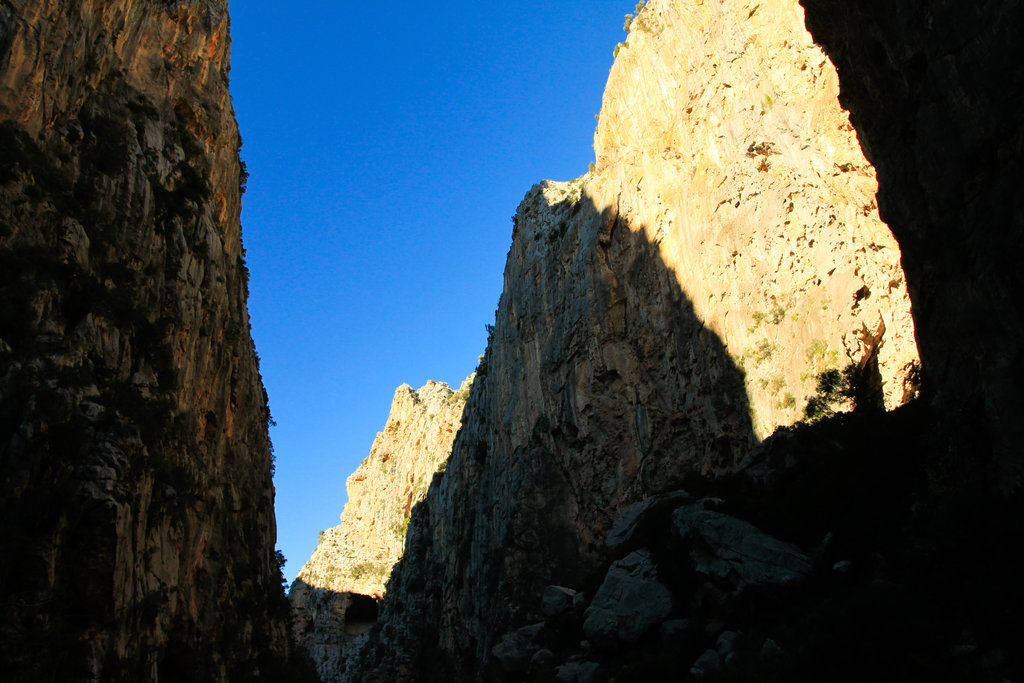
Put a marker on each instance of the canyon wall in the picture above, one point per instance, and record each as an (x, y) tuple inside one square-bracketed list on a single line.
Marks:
[(936, 95), (660, 316), (334, 597), (136, 501)]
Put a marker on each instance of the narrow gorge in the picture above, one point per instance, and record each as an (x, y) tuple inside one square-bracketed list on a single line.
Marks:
[(335, 597), (642, 489), (749, 408), (661, 315)]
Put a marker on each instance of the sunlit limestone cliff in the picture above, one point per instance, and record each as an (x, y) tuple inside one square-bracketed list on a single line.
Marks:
[(335, 595), (660, 316), (136, 503), (612, 508), (721, 140)]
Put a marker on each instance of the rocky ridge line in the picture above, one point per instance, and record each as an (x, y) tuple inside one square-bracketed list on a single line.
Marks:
[(355, 558)]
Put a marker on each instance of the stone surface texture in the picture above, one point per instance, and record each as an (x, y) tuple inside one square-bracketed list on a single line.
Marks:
[(357, 555), (630, 602), (936, 96), (720, 136), (660, 315), (136, 502), (736, 552), (318, 623)]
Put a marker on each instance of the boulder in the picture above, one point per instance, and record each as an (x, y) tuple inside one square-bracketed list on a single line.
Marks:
[(630, 601), (640, 518), (709, 661), (726, 549), (725, 644), (770, 648), (578, 672), (515, 650), (557, 600)]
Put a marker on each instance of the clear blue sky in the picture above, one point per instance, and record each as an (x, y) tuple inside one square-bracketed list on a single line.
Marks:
[(388, 149)]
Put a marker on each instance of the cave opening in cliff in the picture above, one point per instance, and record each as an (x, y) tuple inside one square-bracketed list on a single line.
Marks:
[(361, 614)]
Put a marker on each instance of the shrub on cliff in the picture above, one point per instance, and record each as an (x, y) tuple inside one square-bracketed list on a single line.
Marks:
[(835, 388)]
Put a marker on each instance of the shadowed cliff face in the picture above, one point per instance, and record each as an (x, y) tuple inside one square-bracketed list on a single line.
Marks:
[(136, 502), (659, 316), (599, 387), (936, 93)]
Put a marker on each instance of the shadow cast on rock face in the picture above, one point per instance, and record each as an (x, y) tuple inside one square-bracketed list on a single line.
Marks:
[(600, 386), (936, 94), (331, 626)]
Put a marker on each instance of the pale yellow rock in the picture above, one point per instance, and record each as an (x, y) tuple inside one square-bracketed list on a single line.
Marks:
[(722, 139), (357, 555), (660, 315)]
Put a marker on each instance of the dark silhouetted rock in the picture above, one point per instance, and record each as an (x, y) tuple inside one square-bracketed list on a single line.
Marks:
[(136, 501), (935, 93), (733, 551), (708, 661), (557, 600), (515, 650), (630, 601), (578, 672), (642, 518)]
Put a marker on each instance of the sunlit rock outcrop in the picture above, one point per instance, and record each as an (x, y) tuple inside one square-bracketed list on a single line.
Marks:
[(136, 502), (334, 596), (721, 137), (936, 95), (660, 316)]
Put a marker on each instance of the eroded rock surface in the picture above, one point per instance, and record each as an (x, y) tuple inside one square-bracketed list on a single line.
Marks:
[(136, 502), (660, 315), (354, 559)]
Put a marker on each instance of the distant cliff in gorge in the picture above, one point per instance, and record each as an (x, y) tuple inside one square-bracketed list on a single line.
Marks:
[(335, 595)]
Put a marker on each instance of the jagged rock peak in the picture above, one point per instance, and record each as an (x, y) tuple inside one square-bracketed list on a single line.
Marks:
[(435, 396), (357, 555), (352, 561)]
